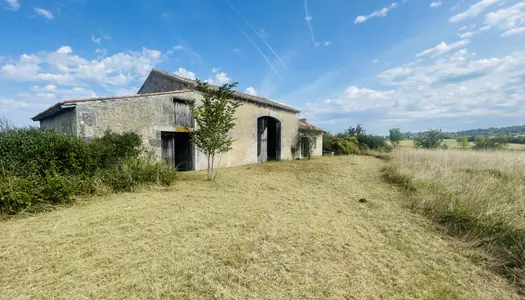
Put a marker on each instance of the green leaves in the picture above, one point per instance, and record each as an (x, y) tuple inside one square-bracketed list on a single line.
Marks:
[(395, 136), (432, 139), (215, 117)]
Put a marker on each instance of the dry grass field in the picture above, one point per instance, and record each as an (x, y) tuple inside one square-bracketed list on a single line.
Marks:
[(453, 144), (478, 195), (287, 230)]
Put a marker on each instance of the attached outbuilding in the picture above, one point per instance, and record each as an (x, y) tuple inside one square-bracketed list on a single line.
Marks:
[(161, 114)]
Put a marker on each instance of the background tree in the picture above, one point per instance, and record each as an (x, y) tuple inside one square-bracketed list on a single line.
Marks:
[(214, 118), (491, 143), (432, 139), (396, 136), (358, 130), (5, 124), (463, 142)]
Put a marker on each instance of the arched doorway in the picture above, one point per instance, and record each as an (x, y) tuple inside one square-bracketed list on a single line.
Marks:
[(268, 139)]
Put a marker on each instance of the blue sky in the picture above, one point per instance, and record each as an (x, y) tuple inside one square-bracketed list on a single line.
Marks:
[(413, 64)]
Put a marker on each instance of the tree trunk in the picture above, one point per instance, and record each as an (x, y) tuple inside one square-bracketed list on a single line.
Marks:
[(210, 169), (212, 164)]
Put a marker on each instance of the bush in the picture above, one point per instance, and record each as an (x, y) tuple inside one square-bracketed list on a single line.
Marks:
[(345, 146), (351, 143), (432, 139), (16, 193), (371, 142), (45, 167), (125, 177), (498, 142)]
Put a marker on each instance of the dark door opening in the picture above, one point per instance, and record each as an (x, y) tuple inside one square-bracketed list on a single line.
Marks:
[(268, 139), (177, 150)]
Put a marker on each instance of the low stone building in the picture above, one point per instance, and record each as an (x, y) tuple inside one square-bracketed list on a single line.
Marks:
[(316, 140), (160, 113)]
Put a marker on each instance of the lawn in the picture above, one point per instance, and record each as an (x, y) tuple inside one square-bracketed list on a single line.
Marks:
[(329, 228), (453, 144)]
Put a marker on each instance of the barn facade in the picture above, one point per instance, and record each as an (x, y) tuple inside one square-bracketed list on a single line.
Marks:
[(161, 114)]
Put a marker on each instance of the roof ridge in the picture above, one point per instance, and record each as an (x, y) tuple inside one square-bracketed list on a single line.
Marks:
[(239, 93)]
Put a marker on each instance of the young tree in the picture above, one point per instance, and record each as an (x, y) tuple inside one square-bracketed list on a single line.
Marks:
[(395, 136), (462, 142), (432, 139), (214, 118)]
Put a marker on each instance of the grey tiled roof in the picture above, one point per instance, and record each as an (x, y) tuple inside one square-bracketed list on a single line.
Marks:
[(239, 95)]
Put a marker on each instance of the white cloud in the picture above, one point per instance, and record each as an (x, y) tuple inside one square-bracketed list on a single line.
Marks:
[(474, 10), (13, 4), (220, 79), (435, 4), (96, 40), (378, 13), (185, 73), (442, 48), (44, 13), (327, 44), (65, 68), (470, 34), (65, 50), (455, 86), (251, 91), (513, 31), (177, 48), (53, 93), (12, 104), (510, 20), (215, 70)]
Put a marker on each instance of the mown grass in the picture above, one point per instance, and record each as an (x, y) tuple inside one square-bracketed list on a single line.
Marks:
[(454, 145), (477, 195), (329, 228)]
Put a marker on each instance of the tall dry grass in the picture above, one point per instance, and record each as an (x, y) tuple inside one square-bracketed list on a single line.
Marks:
[(478, 195)]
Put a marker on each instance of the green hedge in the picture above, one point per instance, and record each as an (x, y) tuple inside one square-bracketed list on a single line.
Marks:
[(44, 167)]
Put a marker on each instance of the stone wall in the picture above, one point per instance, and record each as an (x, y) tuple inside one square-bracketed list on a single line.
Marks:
[(148, 116), (63, 122), (318, 151), (245, 134)]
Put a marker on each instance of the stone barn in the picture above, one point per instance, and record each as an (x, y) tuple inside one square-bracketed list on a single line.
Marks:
[(160, 113)]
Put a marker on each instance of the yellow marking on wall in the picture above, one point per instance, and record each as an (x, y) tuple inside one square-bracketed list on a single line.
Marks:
[(181, 129)]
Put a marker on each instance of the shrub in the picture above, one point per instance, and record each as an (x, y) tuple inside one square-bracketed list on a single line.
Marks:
[(134, 171), (491, 143), (113, 148), (345, 146), (16, 193), (354, 141), (373, 142), (432, 139), (44, 167)]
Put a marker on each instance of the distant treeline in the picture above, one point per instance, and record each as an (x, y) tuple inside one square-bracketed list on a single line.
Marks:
[(514, 134)]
